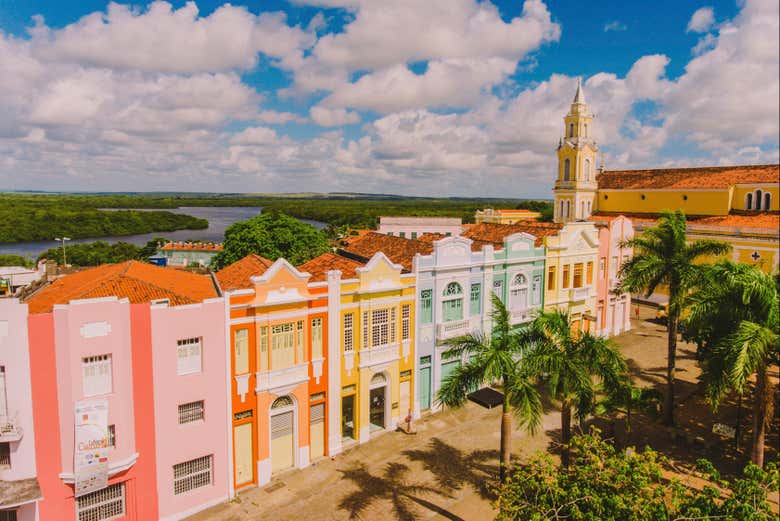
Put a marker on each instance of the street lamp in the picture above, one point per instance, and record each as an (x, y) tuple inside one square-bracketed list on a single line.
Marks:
[(62, 240)]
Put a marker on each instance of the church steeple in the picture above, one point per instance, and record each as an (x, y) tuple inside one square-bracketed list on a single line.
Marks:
[(575, 187)]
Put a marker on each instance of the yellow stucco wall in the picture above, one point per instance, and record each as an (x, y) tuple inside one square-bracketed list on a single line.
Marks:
[(740, 194), (692, 202)]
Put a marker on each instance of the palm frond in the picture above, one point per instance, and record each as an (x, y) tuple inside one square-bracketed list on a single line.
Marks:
[(455, 388), (526, 403)]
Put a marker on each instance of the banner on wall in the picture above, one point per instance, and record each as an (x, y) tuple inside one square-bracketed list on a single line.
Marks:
[(90, 457)]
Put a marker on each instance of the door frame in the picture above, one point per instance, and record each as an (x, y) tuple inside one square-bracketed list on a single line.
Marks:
[(252, 463), (282, 410), (387, 404)]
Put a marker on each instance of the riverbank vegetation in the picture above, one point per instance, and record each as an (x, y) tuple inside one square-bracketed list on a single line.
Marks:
[(29, 216), (15, 260), (100, 252), (44, 217)]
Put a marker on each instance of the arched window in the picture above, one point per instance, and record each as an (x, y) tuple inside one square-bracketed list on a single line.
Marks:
[(588, 214), (586, 130), (561, 215), (749, 202), (452, 305), (282, 402), (568, 209), (571, 129), (587, 169), (378, 379), (566, 169), (757, 205), (518, 292), (582, 210), (767, 201)]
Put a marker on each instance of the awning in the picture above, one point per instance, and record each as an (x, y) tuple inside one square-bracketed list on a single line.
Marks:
[(486, 397), (19, 492)]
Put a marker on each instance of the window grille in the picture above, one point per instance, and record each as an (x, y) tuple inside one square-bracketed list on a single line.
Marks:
[(7, 515), (406, 314), (188, 352), (578, 275), (393, 325), (453, 288), (5, 454), (191, 474), (281, 402), (96, 375), (102, 505), (112, 435), (349, 340), (316, 338), (191, 412), (365, 330), (380, 324)]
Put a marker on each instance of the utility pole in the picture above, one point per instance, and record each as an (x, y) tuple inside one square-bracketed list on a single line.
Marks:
[(62, 240)]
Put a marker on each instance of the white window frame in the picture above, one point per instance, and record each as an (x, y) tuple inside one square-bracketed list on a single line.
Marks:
[(189, 356), (380, 327), (97, 375), (518, 292), (89, 507), (349, 332), (187, 475)]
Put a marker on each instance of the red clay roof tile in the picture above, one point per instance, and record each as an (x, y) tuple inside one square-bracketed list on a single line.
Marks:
[(237, 275), (495, 233), (716, 177), (397, 249), (318, 267)]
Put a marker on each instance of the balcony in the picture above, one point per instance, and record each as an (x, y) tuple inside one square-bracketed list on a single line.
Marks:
[(379, 355), (9, 430), (578, 294), (453, 329), (278, 379), (518, 316)]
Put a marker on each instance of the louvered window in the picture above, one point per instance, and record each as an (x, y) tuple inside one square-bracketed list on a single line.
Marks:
[(316, 338), (188, 352), (406, 321), (96, 375)]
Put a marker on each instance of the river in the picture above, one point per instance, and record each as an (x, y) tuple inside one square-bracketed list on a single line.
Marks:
[(219, 218)]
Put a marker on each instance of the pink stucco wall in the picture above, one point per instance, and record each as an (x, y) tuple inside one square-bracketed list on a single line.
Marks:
[(179, 443), (58, 342), (611, 235)]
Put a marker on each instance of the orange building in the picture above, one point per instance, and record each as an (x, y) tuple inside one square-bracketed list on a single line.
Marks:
[(278, 330)]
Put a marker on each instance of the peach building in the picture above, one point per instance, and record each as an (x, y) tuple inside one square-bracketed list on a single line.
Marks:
[(278, 330), (149, 342)]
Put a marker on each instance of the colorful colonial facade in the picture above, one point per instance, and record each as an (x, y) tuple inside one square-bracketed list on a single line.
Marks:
[(278, 330)]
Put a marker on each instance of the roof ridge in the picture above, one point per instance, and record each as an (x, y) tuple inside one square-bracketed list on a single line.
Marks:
[(694, 168), (153, 285)]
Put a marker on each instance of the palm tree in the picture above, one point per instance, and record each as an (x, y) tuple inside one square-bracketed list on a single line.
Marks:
[(495, 358), (631, 398), (742, 302), (572, 363), (663, 256)]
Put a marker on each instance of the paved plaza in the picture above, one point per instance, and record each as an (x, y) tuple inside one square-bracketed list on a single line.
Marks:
[(442, 471)]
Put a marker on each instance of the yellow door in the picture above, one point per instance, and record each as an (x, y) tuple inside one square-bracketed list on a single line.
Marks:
[(405, 404), (242, 439), (317, 431), (282, 442)]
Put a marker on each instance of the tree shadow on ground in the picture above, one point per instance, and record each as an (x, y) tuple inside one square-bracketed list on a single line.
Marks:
[(454, 468), (393, 486)]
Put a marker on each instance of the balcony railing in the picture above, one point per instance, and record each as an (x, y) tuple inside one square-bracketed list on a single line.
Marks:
[(379, 355), (518, 316), (453, 329), (580, 293), (277, 378), (9, 429)]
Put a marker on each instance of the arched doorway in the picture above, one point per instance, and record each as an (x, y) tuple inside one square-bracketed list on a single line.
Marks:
[(377, 402), (282, 434)]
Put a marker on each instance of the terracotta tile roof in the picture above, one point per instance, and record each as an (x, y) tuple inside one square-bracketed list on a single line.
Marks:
[(134, 280), (397, 249), (495, 233), (717, 177), (236, 275), (192, 246), (736, 219), (318, 267)]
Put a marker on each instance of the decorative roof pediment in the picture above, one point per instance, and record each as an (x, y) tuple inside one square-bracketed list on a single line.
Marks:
[(379, 274), (452, 251), (282, 283)]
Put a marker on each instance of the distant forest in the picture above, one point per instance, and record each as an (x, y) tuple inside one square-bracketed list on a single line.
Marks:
[(33, 216)]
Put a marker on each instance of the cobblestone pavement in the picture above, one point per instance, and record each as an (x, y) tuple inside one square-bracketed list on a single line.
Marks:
[(438, 473)]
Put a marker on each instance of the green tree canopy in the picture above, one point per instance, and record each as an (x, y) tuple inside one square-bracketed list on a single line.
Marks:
[(606, 484), (93, 253), (16, 260), (272, 235)]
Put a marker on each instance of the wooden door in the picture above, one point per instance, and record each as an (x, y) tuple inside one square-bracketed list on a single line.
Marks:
[(317, 431), (282, 441), (242, 440)]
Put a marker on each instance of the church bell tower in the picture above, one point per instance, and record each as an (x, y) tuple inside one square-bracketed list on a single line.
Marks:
[(575, 186)]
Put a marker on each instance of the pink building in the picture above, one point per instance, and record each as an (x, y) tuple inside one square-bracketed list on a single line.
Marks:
[(19, 489), (613, 312), (150, 343)]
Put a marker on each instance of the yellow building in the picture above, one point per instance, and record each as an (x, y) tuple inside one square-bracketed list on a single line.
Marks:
[(373, 336), (736, 204), (491, 216)]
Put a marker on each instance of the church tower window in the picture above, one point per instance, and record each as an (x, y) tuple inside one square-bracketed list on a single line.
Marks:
[(566, 169), (749, 202), (571, 129), (767, 201), (757, 205), (587, 167)]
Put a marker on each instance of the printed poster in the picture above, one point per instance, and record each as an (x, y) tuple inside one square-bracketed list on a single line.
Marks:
[(90, 456)]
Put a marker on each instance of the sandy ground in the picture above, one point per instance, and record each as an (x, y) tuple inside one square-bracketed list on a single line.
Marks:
[(444, 471)]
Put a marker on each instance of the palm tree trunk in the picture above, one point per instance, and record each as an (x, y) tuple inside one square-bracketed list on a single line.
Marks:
[(738, 428), (506, 436), (671, 362), (760, 400), (565, 432)]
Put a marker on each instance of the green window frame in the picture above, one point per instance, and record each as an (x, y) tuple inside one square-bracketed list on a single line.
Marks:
[(426, 306), (452, 308), (475, 299)]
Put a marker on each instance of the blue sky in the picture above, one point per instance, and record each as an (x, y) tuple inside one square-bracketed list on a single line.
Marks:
[(465, 98)]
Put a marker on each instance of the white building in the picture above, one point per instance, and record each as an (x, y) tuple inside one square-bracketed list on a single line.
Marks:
[(413, 227)]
